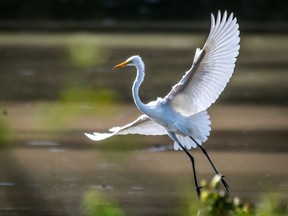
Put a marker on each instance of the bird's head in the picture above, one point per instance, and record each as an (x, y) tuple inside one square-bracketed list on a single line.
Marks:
[(132, 61)]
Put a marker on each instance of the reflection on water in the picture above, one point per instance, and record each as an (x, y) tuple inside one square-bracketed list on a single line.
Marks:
[(56, 150), (6, 184), (58, 86), (102, 187), (42, 143)]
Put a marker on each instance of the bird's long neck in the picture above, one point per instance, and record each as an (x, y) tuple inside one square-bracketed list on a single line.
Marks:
[(136, 85)]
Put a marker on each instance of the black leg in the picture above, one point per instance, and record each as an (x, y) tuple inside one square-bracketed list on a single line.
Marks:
[(216, 171), (193, 168)]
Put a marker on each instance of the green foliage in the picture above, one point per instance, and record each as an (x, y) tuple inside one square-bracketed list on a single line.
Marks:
[(216, 202), (96, 204)]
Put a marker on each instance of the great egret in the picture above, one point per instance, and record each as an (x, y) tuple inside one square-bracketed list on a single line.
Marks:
[(182, 113)]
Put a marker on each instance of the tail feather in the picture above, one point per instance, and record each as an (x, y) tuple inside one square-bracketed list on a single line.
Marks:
[(200, 126), (199, 129), (185, 141)]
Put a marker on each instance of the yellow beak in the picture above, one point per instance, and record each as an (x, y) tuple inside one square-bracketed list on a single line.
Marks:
[(123, 64)]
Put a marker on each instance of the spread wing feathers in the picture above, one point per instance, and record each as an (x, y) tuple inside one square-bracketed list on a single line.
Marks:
[(211, 70), (142, 125), (199, 124)]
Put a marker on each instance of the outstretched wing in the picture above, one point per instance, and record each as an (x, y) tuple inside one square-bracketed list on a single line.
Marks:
[(211, 70), (142, 125)]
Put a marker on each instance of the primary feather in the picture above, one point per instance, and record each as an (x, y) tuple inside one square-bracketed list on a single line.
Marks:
[(143, 125), (212, 68)]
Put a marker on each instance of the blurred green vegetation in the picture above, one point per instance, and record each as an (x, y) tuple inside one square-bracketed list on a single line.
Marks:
[(5, 132), (272, 205), (96, 204), (86, 51), (74, 102), (101, 97)]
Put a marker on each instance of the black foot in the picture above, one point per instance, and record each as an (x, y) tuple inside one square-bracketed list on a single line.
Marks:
[(198, 190), (225, 183)]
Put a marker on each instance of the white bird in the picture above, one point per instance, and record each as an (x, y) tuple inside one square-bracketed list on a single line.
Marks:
[(182, 113)]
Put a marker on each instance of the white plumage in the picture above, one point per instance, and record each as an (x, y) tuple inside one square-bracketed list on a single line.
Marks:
[(212, 68), (181, 114)]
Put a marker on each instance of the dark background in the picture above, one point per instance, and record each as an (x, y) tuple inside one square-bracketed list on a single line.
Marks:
[(261, 15)]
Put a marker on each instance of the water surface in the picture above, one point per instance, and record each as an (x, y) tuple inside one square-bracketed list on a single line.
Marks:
[(55, 87)]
